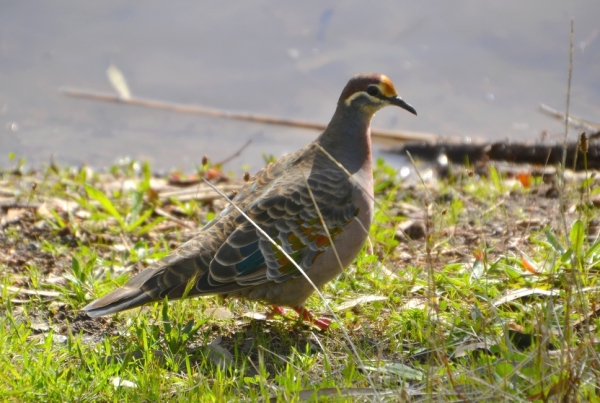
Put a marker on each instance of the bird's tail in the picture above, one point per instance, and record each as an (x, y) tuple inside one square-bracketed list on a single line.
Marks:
[(117, 301), (138, 291)]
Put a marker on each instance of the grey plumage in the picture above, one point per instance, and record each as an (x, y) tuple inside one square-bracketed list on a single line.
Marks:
[(231, 258)]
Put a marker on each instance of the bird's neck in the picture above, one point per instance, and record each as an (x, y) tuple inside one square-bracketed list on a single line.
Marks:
[(348, 138)]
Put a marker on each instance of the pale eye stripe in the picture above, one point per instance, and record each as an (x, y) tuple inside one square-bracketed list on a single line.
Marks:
[(359, 94)]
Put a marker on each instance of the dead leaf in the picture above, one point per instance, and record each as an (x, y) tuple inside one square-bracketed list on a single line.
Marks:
[(532, 223), (524, 292), (255, 315), (397, 369), (40, 327), (181, 180), (529, 266), (67, 206), (41, 293), (17, 301), (7, 192), (516, 327), (118, 382), (118, 81), (219, 313), (525, 179), (414, 303), (44, 211), (362, 299), (466, 348), (83, 214), (13, 216), (387, 271)]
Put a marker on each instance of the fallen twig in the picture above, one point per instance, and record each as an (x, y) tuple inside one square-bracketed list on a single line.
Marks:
[(383, 136), (574, 121), (235, 154), (170, 217), (39, 293), (201, 193), (521, 153)]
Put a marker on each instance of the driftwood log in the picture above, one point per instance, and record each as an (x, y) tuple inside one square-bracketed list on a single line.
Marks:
[(522, 153)]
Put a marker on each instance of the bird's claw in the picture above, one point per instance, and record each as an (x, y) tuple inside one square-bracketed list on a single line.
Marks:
[(305, 315), (275, 310), (321, 323)]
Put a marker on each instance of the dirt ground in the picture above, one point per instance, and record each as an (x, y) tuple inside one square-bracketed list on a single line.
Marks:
[(494, 226)]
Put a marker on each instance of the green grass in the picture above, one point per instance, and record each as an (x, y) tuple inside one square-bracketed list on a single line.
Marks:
[(494, 303)]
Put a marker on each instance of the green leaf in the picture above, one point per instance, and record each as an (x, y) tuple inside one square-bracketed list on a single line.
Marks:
[(188, 327), (89, 266), (577, 236), (165, 316), (592, 250), (137, 205), (554, 242), (105, 202), (76, 267), (188, 287), (148, 227), (495, 178), (565, 257), (140, 220), (588, 182), (504, 369), (59, 221), (147, 174)]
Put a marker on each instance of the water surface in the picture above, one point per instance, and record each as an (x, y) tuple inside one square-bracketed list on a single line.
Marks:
[(470, 68)]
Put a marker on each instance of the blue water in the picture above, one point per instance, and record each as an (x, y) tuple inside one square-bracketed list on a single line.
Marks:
[(470, 68)]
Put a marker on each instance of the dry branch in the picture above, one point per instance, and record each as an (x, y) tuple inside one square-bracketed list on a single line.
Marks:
[(380, 136), (573, 121), (521, 153)]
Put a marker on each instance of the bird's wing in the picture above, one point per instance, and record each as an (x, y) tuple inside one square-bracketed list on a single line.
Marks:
[(289, 216), (231, 254)]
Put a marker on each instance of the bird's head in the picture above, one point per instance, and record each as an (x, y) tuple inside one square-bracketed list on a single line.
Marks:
[(370, 92)]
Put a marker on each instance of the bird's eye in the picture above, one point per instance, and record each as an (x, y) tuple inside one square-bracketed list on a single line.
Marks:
[(373, 90)]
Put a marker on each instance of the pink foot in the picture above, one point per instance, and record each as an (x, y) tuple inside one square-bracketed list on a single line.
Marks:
[(321, 323)]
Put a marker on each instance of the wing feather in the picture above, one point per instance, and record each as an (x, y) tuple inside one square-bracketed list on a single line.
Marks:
[(230, 254)]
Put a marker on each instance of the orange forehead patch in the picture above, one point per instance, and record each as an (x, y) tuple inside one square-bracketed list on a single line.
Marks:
[(386, 87)]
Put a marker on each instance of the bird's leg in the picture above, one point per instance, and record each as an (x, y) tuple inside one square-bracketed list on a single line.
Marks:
[(321, 323), (275, 310)]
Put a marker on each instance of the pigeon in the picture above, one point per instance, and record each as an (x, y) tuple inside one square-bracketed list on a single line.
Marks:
[(315, 204)]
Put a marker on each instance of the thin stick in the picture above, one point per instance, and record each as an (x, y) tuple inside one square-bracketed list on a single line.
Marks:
[(566, 357), (434, 306), (170, 217), (574, 122), (312, 197), (384, 136), (564, 156), (234, 155), (199, 191)]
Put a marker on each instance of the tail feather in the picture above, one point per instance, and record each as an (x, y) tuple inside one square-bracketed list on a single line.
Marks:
[(169, 277), (119, 300)]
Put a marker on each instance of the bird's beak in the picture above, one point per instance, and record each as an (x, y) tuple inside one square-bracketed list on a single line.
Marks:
[(400, 102)]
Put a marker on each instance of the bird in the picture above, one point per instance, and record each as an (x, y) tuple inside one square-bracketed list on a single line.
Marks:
[(316, 204)]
